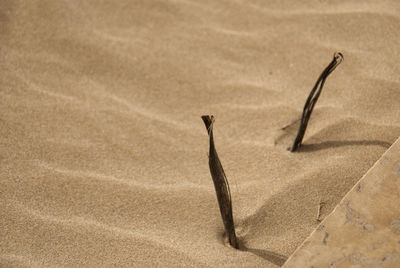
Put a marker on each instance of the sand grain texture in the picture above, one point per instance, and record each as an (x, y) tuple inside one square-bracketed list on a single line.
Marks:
[(103, 155)]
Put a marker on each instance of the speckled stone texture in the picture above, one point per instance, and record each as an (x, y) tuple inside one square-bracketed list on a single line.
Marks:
[(364, 229)]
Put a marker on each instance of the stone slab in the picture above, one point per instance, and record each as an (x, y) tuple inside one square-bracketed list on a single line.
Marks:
[(364, 229)]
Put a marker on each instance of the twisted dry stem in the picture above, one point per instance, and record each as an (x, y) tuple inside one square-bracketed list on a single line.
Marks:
[(313, 98), (221, 185)]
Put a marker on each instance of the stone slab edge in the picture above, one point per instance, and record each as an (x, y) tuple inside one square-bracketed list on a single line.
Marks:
[(364, 228)]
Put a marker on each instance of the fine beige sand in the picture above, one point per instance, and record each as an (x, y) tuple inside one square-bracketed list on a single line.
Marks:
[(103, 153)]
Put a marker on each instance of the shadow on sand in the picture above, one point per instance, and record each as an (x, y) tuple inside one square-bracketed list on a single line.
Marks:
[(267, 255), (300, 202), (334, 144)]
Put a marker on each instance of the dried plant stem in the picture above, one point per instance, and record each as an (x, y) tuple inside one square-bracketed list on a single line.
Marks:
[(313, 98), (319, 210), (221, 185)]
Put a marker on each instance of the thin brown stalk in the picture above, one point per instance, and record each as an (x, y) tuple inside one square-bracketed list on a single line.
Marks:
[(320, 205), (221, 185), (313, 98)]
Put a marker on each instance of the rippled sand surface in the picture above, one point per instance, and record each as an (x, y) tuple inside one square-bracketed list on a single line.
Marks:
[(103, 153)]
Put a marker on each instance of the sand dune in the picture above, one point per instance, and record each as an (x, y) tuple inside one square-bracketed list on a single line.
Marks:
[(103, 152)]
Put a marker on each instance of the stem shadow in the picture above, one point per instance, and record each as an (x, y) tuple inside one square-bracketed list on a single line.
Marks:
[(270, 256), (335, 144)]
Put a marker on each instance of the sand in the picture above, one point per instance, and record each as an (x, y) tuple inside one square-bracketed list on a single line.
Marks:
[(103, 152)]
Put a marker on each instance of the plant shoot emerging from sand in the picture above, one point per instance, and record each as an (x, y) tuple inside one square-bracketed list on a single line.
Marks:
[(313, 98), (221, 185)]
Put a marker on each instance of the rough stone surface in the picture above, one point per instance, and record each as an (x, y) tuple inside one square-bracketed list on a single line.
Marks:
[(364, 229)]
